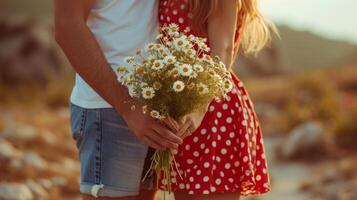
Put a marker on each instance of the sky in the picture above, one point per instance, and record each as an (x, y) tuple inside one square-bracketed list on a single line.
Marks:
[(335, 19)]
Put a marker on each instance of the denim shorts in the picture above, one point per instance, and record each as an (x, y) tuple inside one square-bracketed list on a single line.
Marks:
[(111, 157)]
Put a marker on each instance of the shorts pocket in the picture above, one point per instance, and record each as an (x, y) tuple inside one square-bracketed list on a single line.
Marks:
[(78, 122)]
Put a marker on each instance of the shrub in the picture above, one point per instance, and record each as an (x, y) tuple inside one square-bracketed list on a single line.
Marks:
[(312, 97), (346, 129)]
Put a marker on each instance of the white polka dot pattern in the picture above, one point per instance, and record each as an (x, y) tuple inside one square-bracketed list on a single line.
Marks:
[(226, 154)]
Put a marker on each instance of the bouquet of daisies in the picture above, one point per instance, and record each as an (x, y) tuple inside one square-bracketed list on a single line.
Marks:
[(173, 77)]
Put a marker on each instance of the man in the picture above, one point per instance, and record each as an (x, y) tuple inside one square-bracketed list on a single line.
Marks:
[(96, 35)]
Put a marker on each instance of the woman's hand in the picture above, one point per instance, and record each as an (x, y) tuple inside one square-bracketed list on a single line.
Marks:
[(191, 122)]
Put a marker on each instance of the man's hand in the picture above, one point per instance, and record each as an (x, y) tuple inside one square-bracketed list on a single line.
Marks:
[(151, 131), (83, 51)]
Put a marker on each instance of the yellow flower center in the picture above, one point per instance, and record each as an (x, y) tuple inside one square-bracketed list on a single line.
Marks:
[(148, 93), (190, 86), (140, 70), (157, 85), (185, 69), (180, 43), (178, 87), (121, 69)]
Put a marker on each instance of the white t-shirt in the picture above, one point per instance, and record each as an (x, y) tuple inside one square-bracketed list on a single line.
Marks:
[(121, 27)]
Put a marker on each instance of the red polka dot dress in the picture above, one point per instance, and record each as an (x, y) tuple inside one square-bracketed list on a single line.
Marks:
[(226, 153)]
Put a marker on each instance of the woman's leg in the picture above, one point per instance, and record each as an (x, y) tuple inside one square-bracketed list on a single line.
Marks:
[(226, 196)]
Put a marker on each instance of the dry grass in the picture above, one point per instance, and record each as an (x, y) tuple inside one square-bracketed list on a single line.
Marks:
[(325, 96), (346, 129)]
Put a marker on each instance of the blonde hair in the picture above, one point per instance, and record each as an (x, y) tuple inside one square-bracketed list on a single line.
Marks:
[(255, 30)]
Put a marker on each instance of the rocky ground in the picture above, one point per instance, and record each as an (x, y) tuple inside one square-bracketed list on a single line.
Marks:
[(38, 160), (37, 156)]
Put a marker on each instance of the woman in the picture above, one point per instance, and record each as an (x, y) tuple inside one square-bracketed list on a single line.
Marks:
[(224, 158)]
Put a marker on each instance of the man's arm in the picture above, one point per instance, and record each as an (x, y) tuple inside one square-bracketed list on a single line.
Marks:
[(83, 51)]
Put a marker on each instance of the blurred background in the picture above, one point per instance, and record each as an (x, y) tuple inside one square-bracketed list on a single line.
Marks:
[(304, 87)]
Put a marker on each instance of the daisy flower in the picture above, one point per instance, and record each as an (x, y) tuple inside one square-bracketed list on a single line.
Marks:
[(193, 74), (174, 27), (173, 30), (207, 58), (158, 46), (121, 70), (170, 59), (185, 69), (148, 93), (129, 59), (174, 72), (178, 86), (149, 46), (132, 92), (228, 85), (155, 114), (157, 85), (212, 72), (138, 52), (140, 70), (191, 86), (157, 65), (198, 68), (222, 65), (145, 61), (151, 58), (202, 88), (190, 52), (192, 38), (180, 43)]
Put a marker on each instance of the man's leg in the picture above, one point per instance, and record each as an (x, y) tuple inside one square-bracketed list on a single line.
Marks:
[(146, 195), (111, 157), (89, 197)]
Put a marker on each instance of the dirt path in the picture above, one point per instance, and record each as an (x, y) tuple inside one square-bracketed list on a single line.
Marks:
[(286, 178)]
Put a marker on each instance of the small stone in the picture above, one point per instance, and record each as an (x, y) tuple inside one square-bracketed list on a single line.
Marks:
[(49, 137), (46, 183), (59, 180), (36, 189), (15, 191), (35, 160), (8, 151), (307, 141), (16, 163), (20, 132)]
